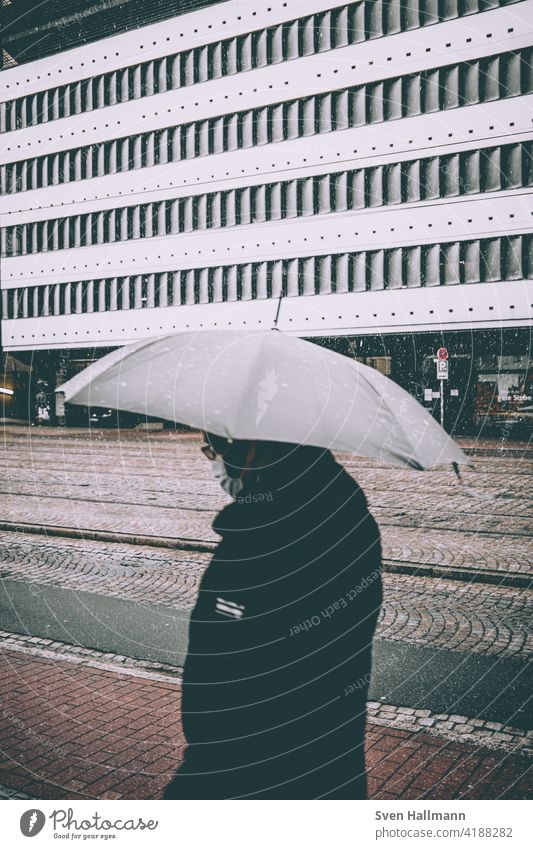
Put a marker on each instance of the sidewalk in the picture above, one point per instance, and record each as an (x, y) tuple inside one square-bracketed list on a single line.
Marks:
[(162, 493), (72, 731), (434, 612), (97, 434), (470, 444), (120, 535)]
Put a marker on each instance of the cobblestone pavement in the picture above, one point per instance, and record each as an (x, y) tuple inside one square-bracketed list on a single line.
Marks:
[(164, 489), (79, 723), (424, 611), (137, 573), (7, 793), (55, 650), (71, 731)]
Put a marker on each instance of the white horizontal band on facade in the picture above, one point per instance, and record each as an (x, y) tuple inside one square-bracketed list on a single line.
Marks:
[(292, 119), (185, 32), (455, 263), (477, 218), (362, 146), (315, 33), (355, 65), (434, 179), (205, 26), (477, 306)]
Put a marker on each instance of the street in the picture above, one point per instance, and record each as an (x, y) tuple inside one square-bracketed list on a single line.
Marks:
[(104, 538)]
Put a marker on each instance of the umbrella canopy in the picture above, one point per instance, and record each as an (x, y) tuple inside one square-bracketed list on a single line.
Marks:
[(269, 386)]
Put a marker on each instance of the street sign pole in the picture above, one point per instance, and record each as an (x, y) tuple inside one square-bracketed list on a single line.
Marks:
[(442, 373)]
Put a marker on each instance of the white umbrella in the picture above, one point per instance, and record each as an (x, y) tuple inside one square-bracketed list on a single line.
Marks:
[(269, 386)]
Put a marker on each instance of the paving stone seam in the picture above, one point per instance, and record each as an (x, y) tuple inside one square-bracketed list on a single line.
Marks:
[(166, 671), (458, 573), (385, 513), (417, 609), (453, 727), (123, 669)]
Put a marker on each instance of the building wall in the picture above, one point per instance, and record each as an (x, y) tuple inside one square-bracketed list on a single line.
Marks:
[(32, 30), (372, 162)]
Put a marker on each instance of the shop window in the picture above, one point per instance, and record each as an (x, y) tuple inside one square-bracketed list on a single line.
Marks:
[(381, 364)]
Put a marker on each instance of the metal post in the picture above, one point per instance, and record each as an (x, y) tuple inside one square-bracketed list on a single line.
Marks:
[(441, 362)]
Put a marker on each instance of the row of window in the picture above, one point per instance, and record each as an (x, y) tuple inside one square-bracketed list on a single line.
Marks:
[(316, 33), (467, 172), (490, 78), (501, 258)]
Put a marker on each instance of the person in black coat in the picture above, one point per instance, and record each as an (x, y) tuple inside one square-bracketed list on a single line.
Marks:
[(280, 640)]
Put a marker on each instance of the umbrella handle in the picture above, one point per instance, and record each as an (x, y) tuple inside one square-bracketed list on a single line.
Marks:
[(457, 472)]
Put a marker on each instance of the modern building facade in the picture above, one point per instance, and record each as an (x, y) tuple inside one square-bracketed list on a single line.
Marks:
[(361, 172)]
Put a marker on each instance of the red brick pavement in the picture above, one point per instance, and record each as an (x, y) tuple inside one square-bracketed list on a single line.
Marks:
[(68, 731)]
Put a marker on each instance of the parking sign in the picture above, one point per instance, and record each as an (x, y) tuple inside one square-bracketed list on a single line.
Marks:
[(442, 369)]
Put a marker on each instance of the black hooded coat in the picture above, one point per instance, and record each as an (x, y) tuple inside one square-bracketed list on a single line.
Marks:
[(278, 665)]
